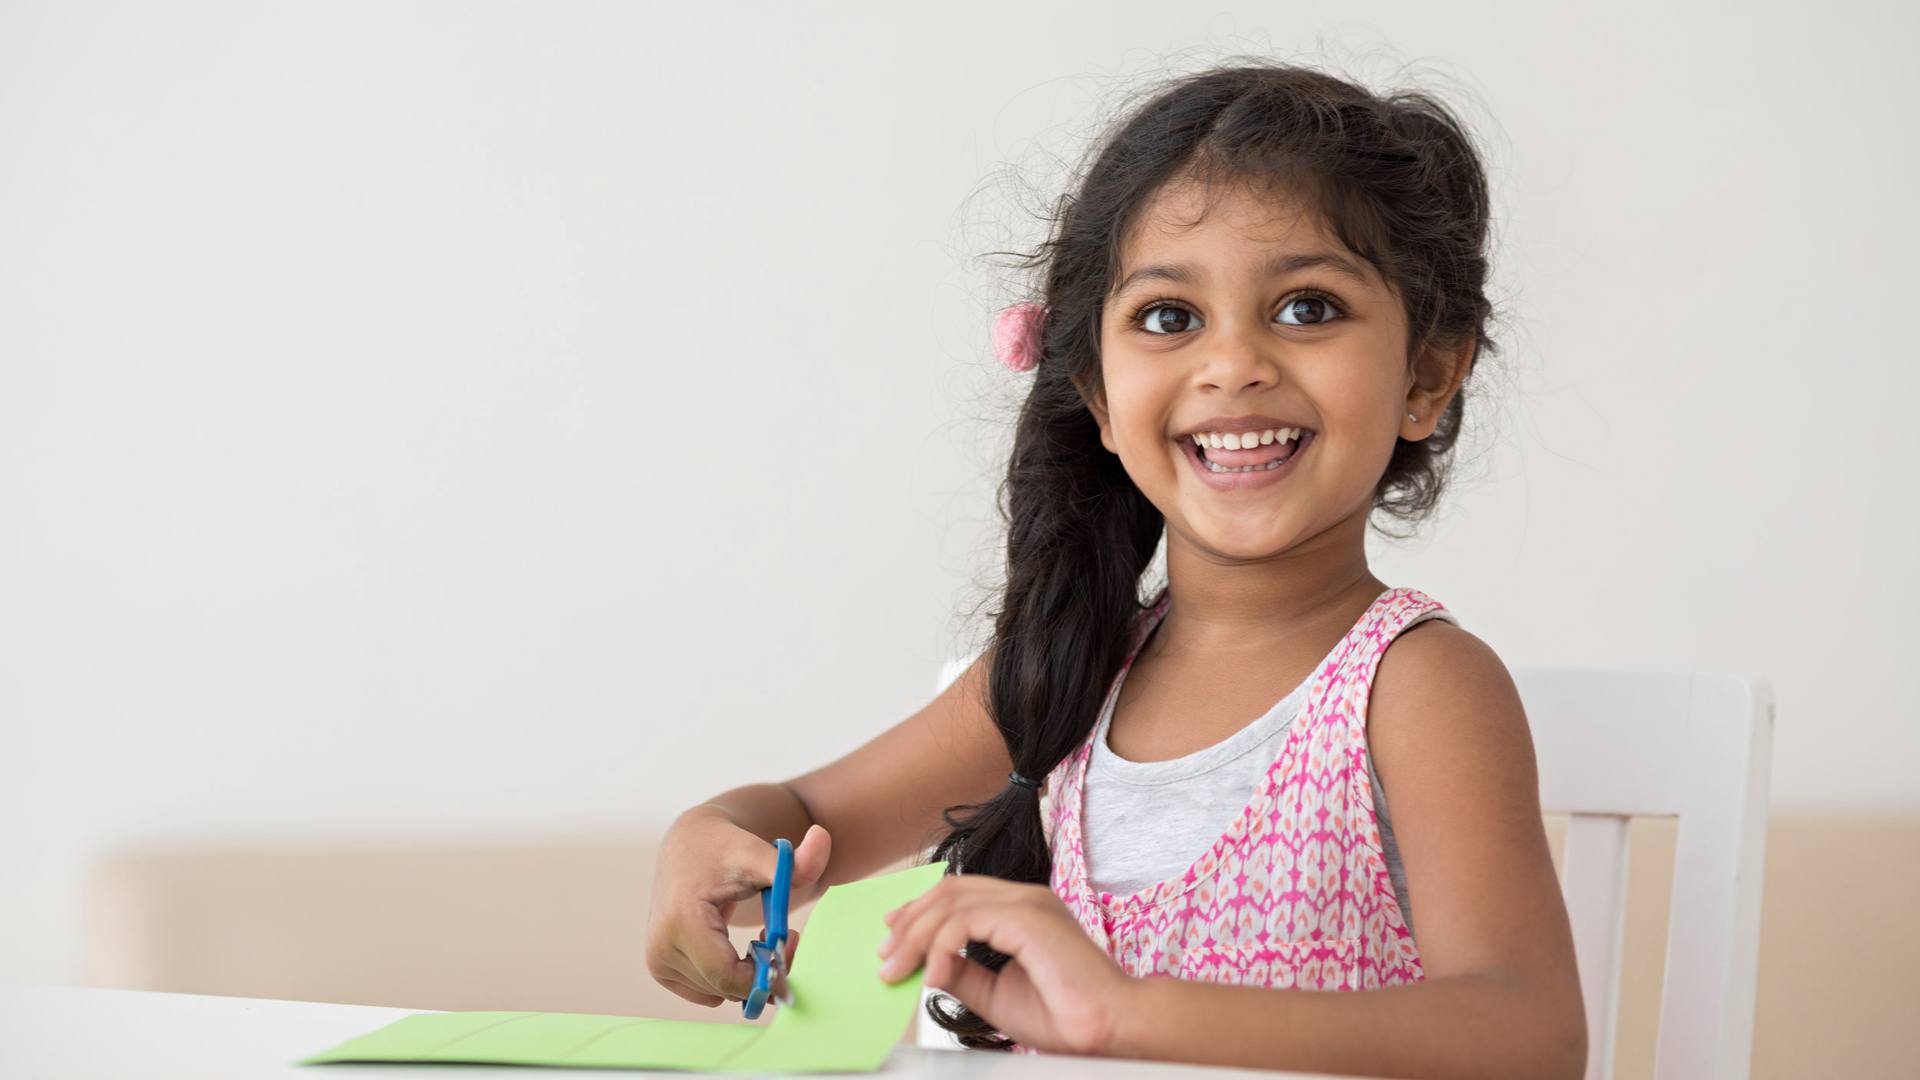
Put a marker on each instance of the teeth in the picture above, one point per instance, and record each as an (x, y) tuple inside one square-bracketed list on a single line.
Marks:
[(1214, 466), (1244, 441), (1235, 440)]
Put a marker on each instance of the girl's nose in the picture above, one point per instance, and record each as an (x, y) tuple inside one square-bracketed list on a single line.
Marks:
[(1240, 356)]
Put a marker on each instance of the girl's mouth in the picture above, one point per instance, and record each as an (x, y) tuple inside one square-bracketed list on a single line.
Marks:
[(1240, 470)]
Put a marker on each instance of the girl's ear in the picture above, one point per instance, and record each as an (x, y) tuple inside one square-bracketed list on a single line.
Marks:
[(1441, 371), (1097, 405)]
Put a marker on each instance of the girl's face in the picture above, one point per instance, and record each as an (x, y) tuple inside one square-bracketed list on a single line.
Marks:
[(1255, 318)]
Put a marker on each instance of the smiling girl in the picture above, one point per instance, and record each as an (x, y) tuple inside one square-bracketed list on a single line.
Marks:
[(1166, 818)]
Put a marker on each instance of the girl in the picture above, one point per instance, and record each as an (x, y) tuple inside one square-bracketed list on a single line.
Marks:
[(1167, 822)]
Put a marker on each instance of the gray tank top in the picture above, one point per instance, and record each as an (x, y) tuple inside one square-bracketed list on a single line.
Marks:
[(1147, 821)]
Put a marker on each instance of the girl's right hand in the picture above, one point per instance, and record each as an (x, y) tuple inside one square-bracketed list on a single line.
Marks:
[(707, 864)]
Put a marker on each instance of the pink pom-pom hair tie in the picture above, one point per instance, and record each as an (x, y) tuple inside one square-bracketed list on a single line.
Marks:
[(1016, 335)]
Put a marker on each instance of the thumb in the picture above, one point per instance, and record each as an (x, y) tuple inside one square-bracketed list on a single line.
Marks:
[(810, 857)]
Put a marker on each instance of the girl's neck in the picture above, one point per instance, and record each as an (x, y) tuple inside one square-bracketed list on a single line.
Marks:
[(1224, 611)]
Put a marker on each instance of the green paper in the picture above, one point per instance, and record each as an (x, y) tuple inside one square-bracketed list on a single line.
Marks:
[(843, 1018)]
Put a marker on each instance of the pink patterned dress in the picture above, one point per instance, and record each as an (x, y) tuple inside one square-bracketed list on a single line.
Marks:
[(1296, 892)]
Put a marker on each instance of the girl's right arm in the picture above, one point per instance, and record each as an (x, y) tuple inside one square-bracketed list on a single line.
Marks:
[(872, 807)]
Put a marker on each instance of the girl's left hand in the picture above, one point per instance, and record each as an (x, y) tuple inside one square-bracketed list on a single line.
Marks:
[(1058, 991)]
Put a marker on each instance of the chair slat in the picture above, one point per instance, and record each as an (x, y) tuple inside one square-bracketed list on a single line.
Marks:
[(1594, 883), (1713, 934)]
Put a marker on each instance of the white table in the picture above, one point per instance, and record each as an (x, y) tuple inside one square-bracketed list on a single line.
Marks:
[(78, 1033)]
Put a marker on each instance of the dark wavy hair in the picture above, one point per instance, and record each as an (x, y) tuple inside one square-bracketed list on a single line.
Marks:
[(1397, 178)]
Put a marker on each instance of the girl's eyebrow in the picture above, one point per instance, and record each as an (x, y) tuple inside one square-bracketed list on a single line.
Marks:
[(1277, 266)]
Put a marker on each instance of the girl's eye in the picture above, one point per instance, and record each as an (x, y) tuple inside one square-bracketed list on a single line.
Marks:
[(1149, 316), (1318, 307), (1311, 306)]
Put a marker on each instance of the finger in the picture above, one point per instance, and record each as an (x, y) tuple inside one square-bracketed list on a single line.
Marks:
[(712, 966), (688, 992), (793, 945), (971, 984), (750, 864), (810, 857), (945, 951), (906, 949), (1005, 926), (908, 921)]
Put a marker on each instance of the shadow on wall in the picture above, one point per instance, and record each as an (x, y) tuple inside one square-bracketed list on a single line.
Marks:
[(559, 926)]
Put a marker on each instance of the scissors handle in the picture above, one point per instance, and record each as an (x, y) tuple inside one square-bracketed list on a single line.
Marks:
[(767, 955)]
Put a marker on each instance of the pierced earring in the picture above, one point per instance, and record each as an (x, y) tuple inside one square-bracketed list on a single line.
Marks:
[(1410, 416)]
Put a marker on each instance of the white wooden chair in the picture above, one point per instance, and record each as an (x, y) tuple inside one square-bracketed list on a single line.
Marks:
[(1696, 746), (1611, 746)]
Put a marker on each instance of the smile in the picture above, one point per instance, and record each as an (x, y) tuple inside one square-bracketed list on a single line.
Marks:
[(1242, 470)]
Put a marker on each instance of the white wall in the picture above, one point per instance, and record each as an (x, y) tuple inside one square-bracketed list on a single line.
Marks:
[(471, 419)]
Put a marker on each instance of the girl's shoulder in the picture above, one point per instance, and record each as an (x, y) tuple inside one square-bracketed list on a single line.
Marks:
[(1443, 700), (1434, 654)]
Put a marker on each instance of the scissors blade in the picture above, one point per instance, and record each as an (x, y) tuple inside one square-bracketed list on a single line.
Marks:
[(778, 979)]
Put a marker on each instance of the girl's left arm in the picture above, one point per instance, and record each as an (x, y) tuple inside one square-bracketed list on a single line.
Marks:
[(1501, 995)]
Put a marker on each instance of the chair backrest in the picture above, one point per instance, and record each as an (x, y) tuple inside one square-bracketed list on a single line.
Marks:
[(1694, 746), (1615, 745)]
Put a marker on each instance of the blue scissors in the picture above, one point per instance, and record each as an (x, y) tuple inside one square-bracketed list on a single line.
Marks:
[(769, 957)]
